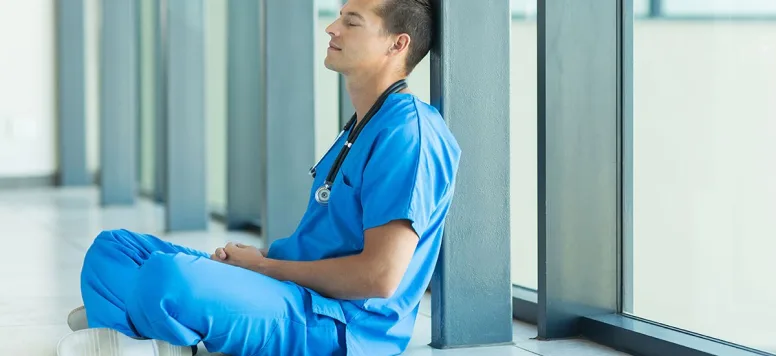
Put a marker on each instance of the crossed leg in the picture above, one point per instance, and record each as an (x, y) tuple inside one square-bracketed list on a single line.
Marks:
[(146, 287)]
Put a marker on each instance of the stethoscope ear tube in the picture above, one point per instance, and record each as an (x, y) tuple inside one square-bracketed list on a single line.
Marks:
[(323, 193)]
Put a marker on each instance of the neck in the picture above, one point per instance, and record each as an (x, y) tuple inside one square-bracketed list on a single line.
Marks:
[(364, 90)]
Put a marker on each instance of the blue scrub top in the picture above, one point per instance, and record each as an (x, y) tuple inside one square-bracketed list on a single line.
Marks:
[(402, 166)]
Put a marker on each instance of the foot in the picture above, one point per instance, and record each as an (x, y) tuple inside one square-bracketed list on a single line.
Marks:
[(76, 320), (104, 341)]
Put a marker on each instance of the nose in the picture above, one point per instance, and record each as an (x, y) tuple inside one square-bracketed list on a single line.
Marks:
[(332, 29)]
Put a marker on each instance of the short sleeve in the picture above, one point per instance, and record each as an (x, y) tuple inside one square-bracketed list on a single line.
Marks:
[(394, 185)]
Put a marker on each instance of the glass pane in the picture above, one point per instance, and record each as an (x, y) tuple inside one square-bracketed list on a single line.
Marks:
[(704, 178), (523, 8), (215, 102), (719, 8), (92, 59), (147, 96), (641, 7), (326, 82), (419, 80), (522, 127)]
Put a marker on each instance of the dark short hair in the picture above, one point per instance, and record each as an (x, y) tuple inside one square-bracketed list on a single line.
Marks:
[(413, 17)]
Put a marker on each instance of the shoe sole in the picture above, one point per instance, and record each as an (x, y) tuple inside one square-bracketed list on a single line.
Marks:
[(76, 320), (109, 342)]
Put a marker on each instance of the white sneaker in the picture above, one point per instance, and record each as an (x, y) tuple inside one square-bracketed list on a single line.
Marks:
[(76, 320), (109, 342)]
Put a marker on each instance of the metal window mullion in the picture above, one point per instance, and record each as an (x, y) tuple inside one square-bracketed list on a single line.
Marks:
[(578, 162)]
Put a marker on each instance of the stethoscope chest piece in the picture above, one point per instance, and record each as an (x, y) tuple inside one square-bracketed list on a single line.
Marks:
[(323, 194)]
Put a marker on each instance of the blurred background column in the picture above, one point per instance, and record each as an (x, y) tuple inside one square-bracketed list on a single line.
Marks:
[(246, 122), (186, 190), (118, 104), (160, 30), (290, 113), (72, 93)]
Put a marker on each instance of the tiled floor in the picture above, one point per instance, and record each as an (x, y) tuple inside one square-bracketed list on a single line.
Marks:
[(44, 234)]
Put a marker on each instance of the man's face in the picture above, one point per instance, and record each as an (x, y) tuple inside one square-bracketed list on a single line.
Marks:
[(357, 39)]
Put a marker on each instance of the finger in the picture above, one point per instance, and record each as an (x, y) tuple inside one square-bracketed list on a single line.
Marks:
[(220, 253), (241, 245)]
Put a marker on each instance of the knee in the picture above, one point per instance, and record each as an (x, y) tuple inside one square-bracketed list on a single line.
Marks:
[(105, 242), (162, 284), (113, 237)]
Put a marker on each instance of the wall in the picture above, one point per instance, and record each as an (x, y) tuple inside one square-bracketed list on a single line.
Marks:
[(27, 88)]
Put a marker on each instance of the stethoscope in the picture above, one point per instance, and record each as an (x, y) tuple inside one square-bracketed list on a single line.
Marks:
[(323, 193)]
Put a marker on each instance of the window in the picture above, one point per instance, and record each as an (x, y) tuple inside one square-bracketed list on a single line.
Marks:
[(216, 13), (523, 143), (327, 91), (704, 181), (718, 8)]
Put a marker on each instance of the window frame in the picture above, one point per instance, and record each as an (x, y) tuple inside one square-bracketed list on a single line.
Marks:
[(615, 329)]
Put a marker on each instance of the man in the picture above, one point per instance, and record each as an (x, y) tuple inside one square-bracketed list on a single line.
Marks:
[(350, 278)]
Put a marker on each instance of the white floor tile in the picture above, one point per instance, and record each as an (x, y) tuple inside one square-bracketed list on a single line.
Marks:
[(524, 336), (30, 311), (38, 340), (44, 234)]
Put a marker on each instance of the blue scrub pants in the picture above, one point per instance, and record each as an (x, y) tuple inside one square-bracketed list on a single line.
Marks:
[(148, 288)]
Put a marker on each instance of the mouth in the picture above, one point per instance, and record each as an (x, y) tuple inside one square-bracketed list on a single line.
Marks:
[(334, 47)]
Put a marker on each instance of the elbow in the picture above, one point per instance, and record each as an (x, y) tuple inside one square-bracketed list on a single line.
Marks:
[(384, 287), (384, 291)]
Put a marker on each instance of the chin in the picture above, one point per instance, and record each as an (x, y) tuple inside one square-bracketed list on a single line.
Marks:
[(332, 66)]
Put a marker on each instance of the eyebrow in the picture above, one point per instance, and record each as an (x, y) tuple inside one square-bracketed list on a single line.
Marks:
[(354, 14)]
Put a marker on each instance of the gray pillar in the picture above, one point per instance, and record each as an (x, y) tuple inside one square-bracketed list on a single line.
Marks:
[(118, 105), (186, 196), (71, 69), (138, 92), (472, 291), (626, 140), (246, 143), (578, 150), (290, 27), (160, 96), (655, 8)]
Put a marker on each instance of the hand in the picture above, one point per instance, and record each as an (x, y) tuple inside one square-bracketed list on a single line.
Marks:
[(240, 255)]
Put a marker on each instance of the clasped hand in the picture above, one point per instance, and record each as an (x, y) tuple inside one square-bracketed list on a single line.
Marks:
[(238, 254)]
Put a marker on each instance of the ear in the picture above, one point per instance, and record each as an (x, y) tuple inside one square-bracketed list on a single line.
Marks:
[(401, 43)]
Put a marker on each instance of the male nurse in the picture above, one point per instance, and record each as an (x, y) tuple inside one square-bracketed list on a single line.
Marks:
[(349, 279)]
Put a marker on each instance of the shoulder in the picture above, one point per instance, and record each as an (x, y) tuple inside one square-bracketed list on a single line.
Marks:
[(410, 121), (412, 130)]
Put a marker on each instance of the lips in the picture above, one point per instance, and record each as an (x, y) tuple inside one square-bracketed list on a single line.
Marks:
[(334, 47)]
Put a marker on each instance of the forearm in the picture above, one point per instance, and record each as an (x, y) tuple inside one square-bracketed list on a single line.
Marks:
[(341, 278)]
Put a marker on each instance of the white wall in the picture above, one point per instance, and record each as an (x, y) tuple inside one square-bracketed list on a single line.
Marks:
[(27, 88)]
